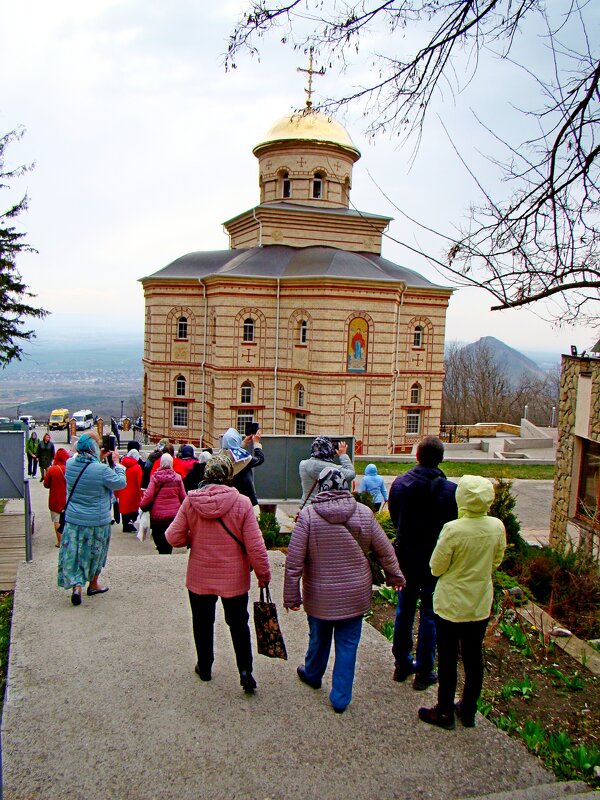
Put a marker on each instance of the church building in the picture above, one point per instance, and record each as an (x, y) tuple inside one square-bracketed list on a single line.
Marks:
[(301, 325)]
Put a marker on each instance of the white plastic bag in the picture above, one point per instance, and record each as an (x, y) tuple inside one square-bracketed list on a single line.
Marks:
[(143, 526)]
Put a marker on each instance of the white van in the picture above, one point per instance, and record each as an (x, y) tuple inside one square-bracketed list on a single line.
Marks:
[(83, 419), (27, 420)]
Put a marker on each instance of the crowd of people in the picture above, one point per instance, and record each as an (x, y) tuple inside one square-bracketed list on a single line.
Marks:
[(445, 550)]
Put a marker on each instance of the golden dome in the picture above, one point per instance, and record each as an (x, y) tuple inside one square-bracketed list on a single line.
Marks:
[(309, 126)]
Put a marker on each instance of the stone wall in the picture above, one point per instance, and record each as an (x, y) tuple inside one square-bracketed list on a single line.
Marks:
[(566, 475)]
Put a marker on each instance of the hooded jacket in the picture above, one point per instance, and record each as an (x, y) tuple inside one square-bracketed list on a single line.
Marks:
[(217, 564), (335, 573), (164, 495), (373, 484), (130, 496), (55, 480), (45, 453), (469, 549), (421, 501), (32, 444)]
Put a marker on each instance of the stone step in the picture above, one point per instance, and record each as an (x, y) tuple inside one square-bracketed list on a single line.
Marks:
[(573, 790)]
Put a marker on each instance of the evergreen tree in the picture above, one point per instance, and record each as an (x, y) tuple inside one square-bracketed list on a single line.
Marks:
[(14, 294)]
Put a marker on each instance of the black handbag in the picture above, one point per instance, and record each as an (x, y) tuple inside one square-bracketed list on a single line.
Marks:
[(377, 573), (269, 639)]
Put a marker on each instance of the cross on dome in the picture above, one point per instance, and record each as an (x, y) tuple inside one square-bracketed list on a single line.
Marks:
[(310, 71)]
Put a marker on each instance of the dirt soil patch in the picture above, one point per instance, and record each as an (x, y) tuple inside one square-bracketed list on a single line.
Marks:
[(548, 687)]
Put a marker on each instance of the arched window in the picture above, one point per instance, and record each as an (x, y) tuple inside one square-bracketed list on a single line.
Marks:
[(182, 328), (303, 331), (346, 191), (180, 386), (418, 336), (415, 394), (317, 191), (248, 335), (300, 395), (286, 185), (246, 396)]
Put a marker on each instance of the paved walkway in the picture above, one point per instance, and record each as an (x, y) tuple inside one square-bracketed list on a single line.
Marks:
[(102, 701)]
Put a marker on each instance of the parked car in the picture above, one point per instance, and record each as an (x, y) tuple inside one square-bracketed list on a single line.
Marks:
[(83, 419), (59, 419), (4, 420)]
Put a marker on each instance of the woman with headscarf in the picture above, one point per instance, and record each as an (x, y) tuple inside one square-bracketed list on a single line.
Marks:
[(218, 525), (45, 454), (163, 497), (322, 454), (86, 537), (31, 449), (243, 480), (328, 553), (55, 481), (129, 498)]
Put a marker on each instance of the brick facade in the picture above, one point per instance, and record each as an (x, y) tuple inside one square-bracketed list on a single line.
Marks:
[(297, 360)]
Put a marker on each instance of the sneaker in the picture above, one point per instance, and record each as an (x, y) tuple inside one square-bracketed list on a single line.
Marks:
[(339, 709), (402, 673), (302, 675), (204, 676), (433, 716), (422, 682), (468, 721), (247, 682)]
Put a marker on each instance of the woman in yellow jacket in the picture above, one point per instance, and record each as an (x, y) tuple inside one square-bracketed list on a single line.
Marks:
[(468, 551)]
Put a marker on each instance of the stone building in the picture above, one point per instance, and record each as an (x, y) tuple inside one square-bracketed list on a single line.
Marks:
[(576, 503), (302, 324)]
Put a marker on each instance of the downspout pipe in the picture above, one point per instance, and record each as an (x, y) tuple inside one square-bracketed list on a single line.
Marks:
[(260, 229), (397, 359), (276, 358), (203, 364)]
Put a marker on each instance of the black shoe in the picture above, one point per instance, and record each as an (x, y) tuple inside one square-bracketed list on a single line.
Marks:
[(302, 675), (247, 682), (204, 676), (422, 682), (402, 673), (339, 710), (76, 597), (467, 720), (101, 590), (433, 716)]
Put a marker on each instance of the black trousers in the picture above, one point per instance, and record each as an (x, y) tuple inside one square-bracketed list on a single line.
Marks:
[(468, 637), (159, 527), (128, 520), (32, 465), (236, 616)]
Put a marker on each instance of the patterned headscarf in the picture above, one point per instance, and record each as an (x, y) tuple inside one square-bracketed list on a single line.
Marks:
[(87, 446), (331, 479), (323, 448), (219, 469)]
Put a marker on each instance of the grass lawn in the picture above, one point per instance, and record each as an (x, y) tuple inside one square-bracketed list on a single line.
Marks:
[(455, 469)]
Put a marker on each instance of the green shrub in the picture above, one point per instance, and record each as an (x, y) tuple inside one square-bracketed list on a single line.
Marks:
[(384, 519), (366, 498), (271, 531), (503, 508)]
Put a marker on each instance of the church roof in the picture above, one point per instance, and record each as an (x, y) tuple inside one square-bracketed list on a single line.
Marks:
[(280, 261), (299, 208), (308, 125)]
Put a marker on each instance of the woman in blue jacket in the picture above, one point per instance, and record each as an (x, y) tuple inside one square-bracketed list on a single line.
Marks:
[(86, 536), (374, 485)]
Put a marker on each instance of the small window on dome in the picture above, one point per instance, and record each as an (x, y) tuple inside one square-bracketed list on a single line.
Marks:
[(317, 192), (286, 185)]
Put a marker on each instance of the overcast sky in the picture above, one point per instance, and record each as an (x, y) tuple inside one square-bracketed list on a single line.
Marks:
[(142, 145)]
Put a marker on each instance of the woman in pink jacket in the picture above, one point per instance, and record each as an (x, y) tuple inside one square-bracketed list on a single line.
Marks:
[(219, 526), (328, 552), (164, 496)]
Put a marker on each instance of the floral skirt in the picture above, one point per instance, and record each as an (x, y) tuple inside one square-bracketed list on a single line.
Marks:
[(82, 554)]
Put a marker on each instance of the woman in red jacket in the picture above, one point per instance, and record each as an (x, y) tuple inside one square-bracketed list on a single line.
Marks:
[(54, 479), (218, 525), (164, 495), (130, 497)]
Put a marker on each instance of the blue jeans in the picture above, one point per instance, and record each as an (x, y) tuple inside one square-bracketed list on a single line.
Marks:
[(346, 633), (402, 648)]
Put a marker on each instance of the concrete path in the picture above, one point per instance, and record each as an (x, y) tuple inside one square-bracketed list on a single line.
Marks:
[(102, 701)]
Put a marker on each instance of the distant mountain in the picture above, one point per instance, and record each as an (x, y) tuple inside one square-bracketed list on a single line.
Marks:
[(514, 363)]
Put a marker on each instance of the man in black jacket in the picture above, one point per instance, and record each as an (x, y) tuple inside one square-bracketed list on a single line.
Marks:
[(421, 502)]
